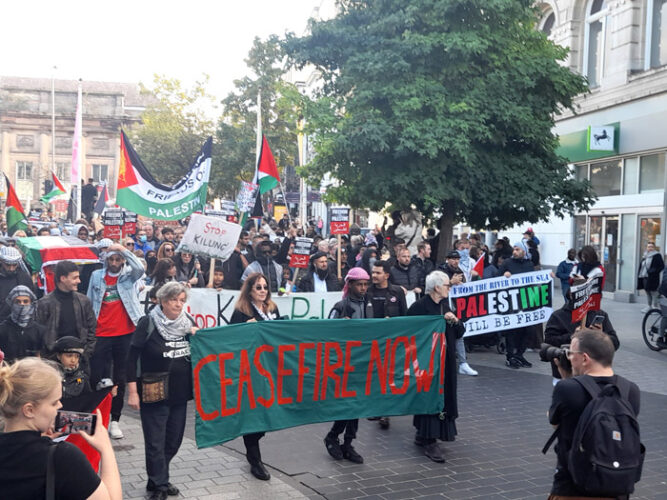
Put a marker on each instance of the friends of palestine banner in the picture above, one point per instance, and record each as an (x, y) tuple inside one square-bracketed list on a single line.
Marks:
[(269, 375), (503, 303), (139, 192)]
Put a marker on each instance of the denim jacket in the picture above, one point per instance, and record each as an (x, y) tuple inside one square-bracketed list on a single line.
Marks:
[(131, 272)]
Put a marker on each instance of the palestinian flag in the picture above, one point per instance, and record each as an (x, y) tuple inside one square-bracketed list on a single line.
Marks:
[(42, 253), (139, 192), (14, 210), (102, 201), (56, 190), (267, 172), (479, 265)]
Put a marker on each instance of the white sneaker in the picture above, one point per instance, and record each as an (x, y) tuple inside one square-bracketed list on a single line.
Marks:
[(646, 309), (465, 369), (114, 430)]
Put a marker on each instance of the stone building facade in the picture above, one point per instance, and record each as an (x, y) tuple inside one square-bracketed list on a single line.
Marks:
[(26, 139)]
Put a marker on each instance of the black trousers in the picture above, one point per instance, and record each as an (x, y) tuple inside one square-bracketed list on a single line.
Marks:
[(163, 426), (251, 442), (109, 361), (349, 426), (516, 341)]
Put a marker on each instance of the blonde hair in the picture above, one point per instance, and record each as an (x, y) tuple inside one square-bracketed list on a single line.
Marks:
[(28, 380)]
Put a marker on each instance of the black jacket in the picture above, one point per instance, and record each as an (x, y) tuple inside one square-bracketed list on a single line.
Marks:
[(395, 305), (516, 266), (652, 282), (424, 268), (19, 342), (407, 278), (307, 283)]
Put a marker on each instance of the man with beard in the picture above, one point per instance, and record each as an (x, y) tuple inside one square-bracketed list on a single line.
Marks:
[(422, 261), (245, 248), (320, 277), (117, 308), (265, 264), (404, 273), (20, 336), (11, 275), (353, 306), (385, 301)]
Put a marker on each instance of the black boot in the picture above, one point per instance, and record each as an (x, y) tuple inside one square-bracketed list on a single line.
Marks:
[(257, 468)]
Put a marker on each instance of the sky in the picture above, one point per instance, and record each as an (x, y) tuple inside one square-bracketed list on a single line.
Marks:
[(130, 40)]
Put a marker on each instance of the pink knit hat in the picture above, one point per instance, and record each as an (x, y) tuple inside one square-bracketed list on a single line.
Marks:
[(354, 274)]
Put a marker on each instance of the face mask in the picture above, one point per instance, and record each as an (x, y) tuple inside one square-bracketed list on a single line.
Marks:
[(143, 238), (21, 315)]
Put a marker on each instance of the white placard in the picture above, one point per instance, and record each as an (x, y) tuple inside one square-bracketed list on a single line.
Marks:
[(210, 236)]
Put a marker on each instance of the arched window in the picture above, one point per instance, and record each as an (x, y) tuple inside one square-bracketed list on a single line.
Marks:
[(656, 34), (548, 21), (595, 41)]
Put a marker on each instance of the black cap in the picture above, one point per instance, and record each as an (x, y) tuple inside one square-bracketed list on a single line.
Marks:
[(453, 254), (69, 344), (317, 255)]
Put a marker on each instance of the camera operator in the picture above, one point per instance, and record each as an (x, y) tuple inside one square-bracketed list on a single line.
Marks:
[(560, 328), (590, 353)]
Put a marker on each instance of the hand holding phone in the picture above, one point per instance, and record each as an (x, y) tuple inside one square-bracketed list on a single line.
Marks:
[(69, 422), (597, 322)]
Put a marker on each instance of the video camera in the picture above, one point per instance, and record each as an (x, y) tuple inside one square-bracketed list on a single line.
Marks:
[(548, 353)]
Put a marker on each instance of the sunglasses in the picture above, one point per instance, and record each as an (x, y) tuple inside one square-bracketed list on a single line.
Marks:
[(168, 250), (129, 244), (260, 287)]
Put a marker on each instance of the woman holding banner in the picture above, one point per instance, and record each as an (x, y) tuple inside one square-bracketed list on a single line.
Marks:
[(255, 304), (159, 382), (441, 426)]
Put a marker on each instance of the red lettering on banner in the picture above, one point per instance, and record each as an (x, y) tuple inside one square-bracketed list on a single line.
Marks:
[(406, 369), (200, 409), (347, 369), (471, 311), (266, 403), (328, 371), (244, 379), (425, 377), (481, 307), (283, 373), (224, 382), (376, 358), (460, 307), (303, 369), (318, 371)]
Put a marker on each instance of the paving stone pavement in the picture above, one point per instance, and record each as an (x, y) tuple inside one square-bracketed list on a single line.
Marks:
[(497, 455)]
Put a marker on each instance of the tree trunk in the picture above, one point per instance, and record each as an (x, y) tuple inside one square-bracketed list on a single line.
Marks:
[(446, 230)]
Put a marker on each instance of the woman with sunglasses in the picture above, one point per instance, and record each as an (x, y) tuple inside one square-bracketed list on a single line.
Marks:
[(166, 251), (255, 304)]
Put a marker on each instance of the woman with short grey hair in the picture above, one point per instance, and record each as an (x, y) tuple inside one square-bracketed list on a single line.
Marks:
[(441, 426), (159, 382)]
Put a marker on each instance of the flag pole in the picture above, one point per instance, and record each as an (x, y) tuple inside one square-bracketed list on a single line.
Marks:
[(75, 180), (53, 120)]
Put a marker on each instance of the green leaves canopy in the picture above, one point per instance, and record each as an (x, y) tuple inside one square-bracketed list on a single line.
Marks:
[(445, 104)]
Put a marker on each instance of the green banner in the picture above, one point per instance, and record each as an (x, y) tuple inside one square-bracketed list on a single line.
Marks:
[(270, 375)]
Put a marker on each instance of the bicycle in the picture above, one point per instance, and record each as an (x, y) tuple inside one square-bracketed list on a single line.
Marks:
[(654, 338)]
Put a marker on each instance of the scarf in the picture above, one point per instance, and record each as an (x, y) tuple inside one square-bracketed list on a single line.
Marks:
[(263, 315), (21, 315), (171, 329)]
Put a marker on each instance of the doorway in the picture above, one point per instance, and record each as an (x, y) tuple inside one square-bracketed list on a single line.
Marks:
[(603, 236)]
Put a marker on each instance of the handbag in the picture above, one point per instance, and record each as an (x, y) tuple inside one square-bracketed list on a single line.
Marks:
[(154, 387)]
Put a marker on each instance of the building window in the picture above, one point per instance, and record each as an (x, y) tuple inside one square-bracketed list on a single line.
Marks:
[(606, 178), (652, 173), (100, 173), (24, 170), (63, 171), (548, 21), (595, 41), (631, 176), (656, 34), (581, 172)]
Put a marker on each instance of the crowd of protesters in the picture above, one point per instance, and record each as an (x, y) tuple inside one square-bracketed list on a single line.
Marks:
[(94, 327)]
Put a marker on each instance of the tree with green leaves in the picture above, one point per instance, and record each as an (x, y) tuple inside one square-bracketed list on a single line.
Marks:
[(445, 105), (236, 133), (173, 127)]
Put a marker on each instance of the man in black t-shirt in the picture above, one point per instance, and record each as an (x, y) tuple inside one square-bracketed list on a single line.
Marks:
[(591, 353)]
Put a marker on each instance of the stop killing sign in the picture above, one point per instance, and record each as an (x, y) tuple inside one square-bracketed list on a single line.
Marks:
[(340, 221)]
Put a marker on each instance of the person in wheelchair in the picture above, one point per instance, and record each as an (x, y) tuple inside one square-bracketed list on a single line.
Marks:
[(560, 328)]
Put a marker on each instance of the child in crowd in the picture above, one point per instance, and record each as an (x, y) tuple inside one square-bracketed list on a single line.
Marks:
[(76, 381)]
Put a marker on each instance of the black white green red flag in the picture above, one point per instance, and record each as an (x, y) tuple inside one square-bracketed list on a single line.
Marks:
[(56, 190), (139, 192), (13, 210), (267, 173)]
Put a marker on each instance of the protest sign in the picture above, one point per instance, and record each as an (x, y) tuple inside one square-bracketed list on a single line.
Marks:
[(263, 376), (210, 236), (113, 223), (245, 200), (585, 297), (503, 303), (301, 254), (340, 221), (129, 222)]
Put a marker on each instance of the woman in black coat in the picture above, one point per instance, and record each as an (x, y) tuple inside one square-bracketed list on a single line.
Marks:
[(648, 277), (255, 304), (441, 426)]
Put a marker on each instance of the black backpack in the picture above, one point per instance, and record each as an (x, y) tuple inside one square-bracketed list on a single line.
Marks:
[(606, 456)]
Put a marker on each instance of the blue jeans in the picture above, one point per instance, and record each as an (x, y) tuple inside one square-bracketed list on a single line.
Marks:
[(163, 427)]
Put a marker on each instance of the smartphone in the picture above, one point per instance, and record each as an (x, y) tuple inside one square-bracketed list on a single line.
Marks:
[(597, 320), (68, 422)]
